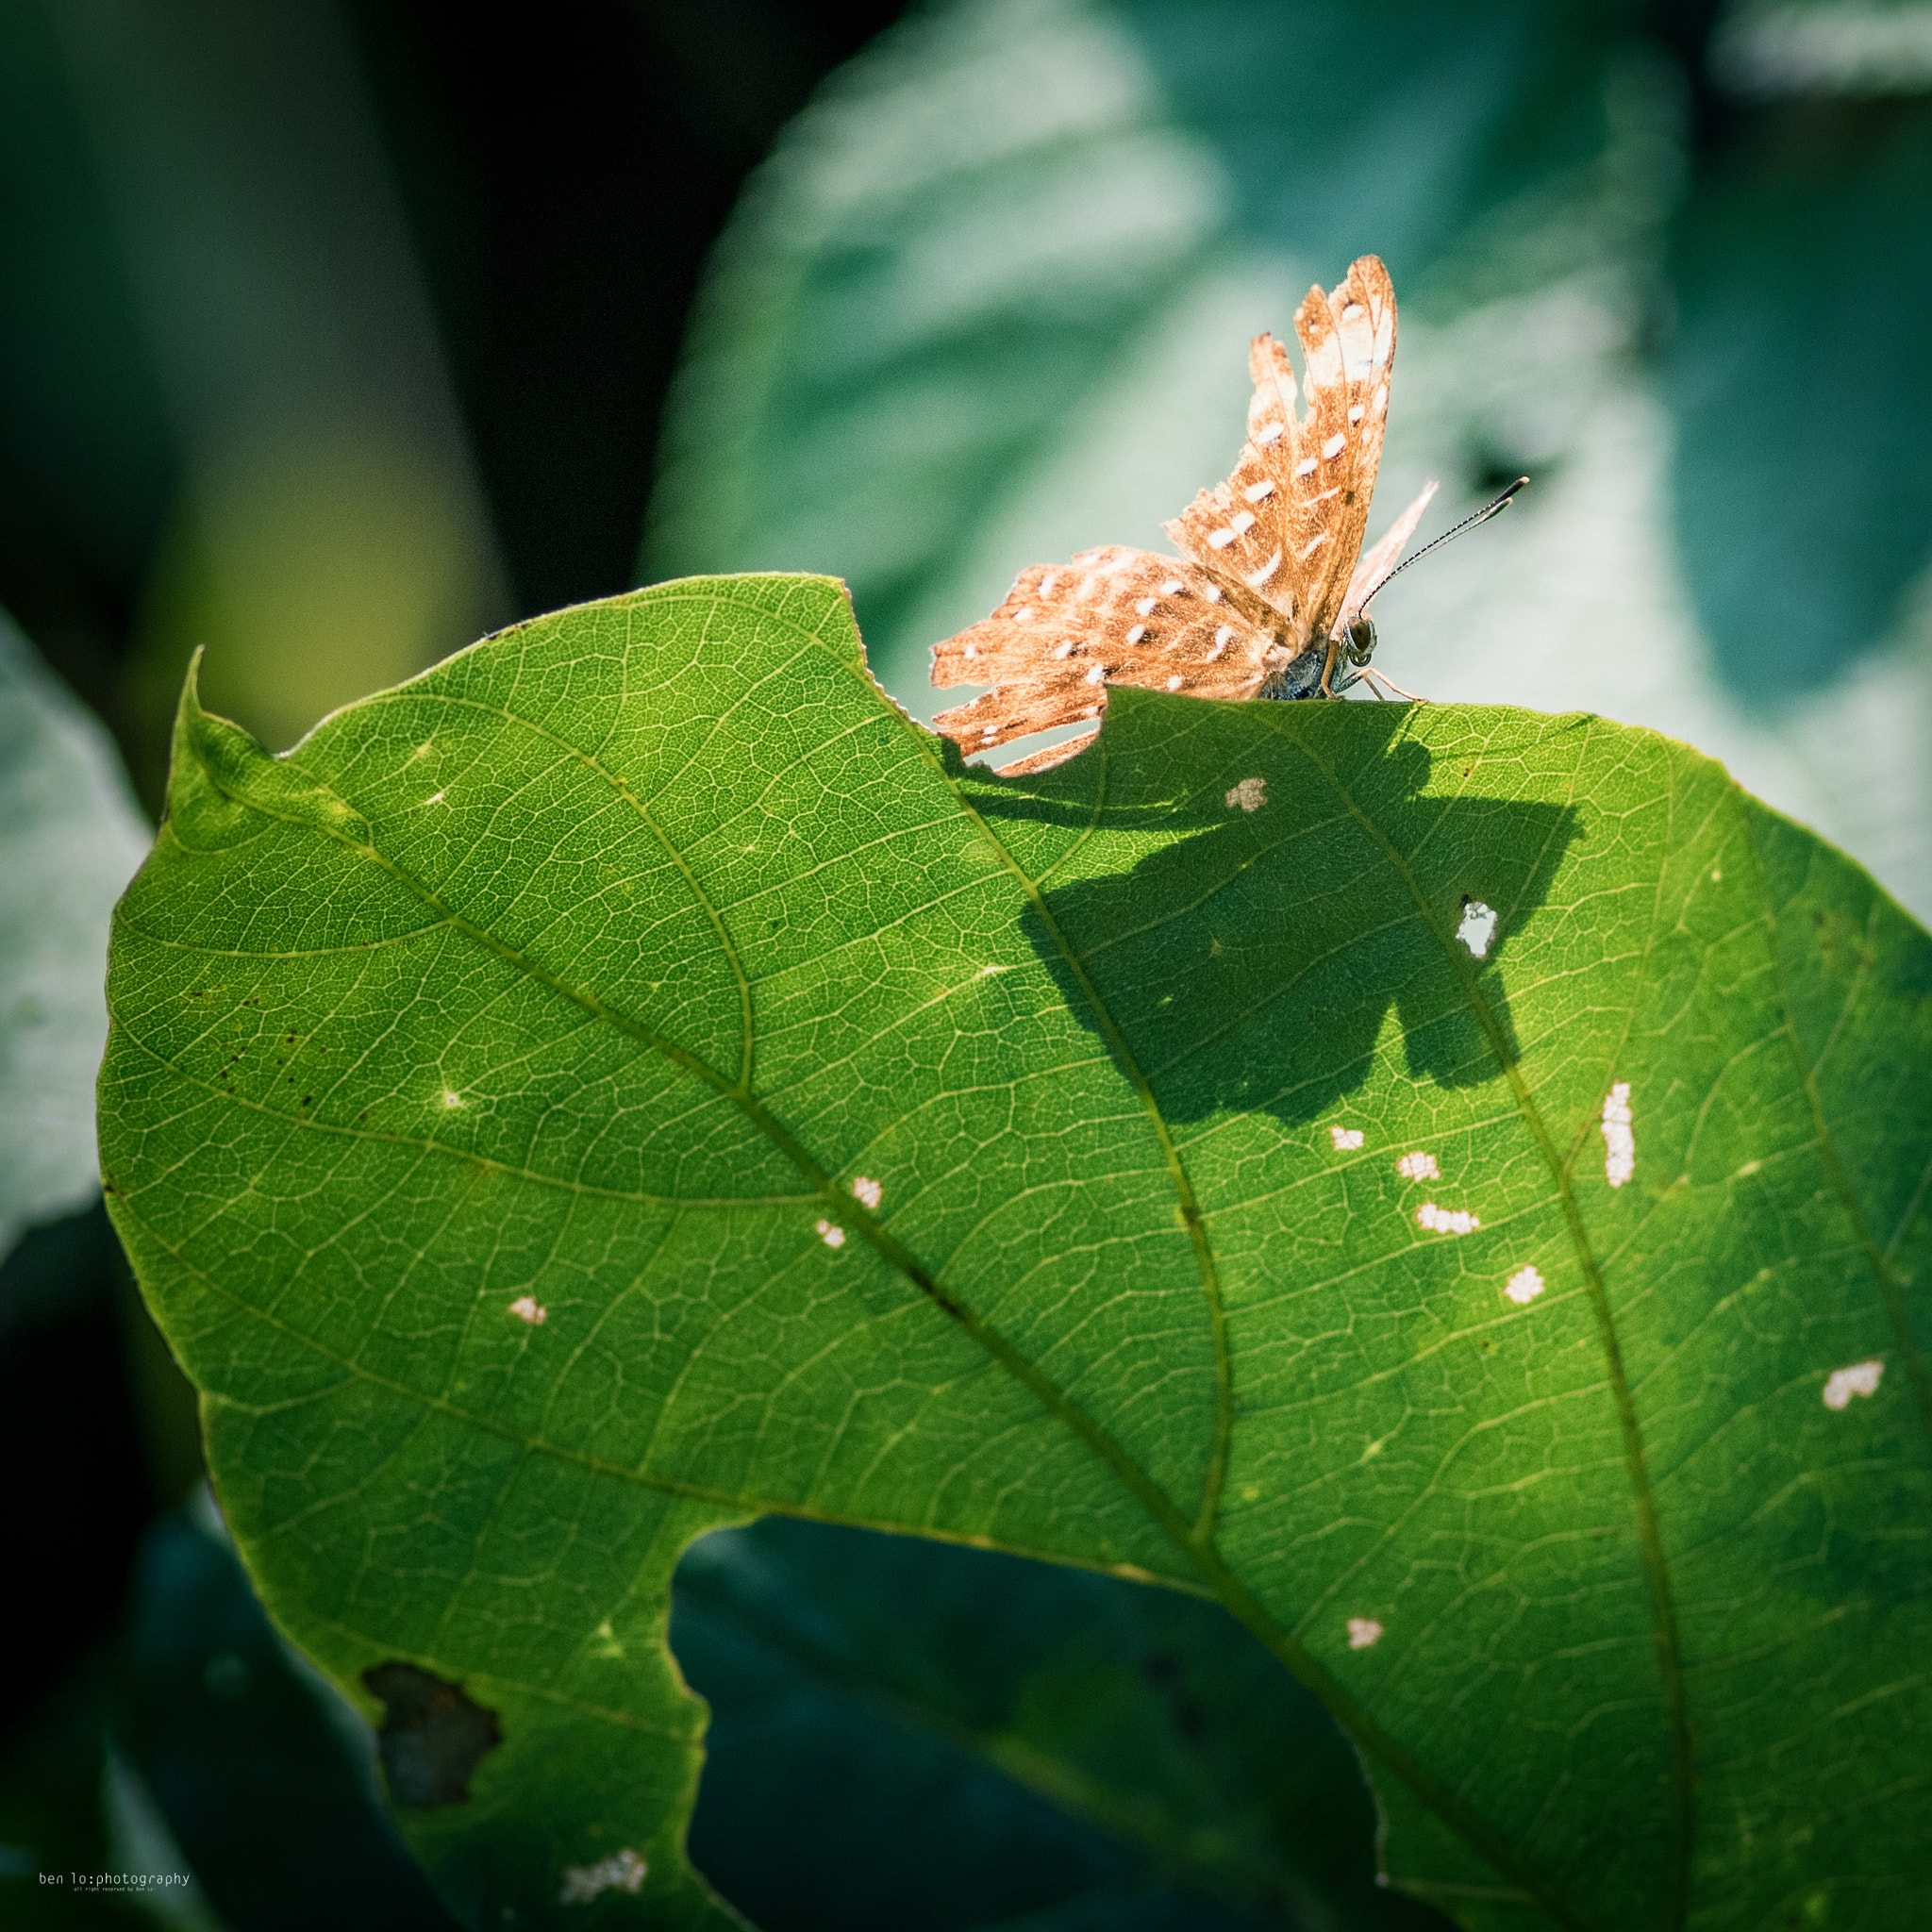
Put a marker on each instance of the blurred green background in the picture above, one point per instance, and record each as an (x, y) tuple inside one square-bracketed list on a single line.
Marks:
[(334, 333)]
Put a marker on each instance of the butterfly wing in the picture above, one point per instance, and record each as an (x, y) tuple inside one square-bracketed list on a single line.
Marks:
[(1377, 563), (1112, 616), (1287, 523)]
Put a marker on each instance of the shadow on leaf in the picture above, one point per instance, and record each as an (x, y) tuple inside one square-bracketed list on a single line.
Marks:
[(1252, 890)]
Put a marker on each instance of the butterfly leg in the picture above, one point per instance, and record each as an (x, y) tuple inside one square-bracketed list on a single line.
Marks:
[(1328, 669), (1380, 678)]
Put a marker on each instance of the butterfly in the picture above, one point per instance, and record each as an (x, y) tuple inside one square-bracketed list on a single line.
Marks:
[(1268, 598)]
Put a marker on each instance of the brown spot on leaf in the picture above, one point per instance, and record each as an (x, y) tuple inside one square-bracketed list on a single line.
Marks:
[(432, 1738)]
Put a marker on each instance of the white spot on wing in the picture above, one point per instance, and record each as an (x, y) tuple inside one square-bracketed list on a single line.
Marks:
[(1067, 649), (1139, 631), (1478, 927), (1362, 1631), (1146, 607), (1333, 447), (1307, 466), (1861, 1378), (1346, 1139), (1619, 1143), (1524, 1286), (1173, 588), (1419, 1167), (620, 1872), (1212, 593), (1251, 795), (1241, 522), (1220, 539), (526, 1307), (1446, 1220), (1355, 412), (867, 1191), (1255, 579), (1271, 434), (1174, 682), (1258, 493), (831, 1234)]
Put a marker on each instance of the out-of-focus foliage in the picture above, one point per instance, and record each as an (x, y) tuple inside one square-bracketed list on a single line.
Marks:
[(988, 304), (1025, 1739), (70, 839)]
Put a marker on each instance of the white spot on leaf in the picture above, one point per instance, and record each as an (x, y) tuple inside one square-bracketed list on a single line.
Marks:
[(1861, 1378), (620, 1872), (1524, 1286), (831, 1234), (451, 1098), (1619, 1143), (1419, 1167), (1346, 1139), (1251, 795), (1362, 1631), (1446, 1220), (1478, 927), (526, 1307), (867, 1191)]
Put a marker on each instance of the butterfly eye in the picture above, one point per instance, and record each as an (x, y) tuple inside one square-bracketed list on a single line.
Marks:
[(1359, 641)]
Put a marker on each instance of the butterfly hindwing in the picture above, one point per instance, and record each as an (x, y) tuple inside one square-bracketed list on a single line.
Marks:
[(1115, 615)]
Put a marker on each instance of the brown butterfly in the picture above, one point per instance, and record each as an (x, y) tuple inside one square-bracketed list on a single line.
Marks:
[(1269, 599)]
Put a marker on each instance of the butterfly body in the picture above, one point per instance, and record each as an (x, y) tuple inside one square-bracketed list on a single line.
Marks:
[(1265, 599)]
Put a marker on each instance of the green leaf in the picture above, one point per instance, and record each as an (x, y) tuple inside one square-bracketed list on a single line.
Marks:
[(904, 1732), (498, 1082), (70, 839), (1803, 521)]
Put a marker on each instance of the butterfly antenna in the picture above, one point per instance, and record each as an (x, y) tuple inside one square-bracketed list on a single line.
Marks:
[(1469, 522)]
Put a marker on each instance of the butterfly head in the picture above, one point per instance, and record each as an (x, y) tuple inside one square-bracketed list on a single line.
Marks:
[(1357, 637)]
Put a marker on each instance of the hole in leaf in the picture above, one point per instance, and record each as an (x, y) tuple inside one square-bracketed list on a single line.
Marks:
[(433, 1736)]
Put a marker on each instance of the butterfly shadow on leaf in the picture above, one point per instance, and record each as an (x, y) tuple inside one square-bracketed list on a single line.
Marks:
[(1235, 897)]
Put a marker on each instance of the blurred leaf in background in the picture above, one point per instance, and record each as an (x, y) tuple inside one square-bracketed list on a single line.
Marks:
[(1019, 1738), (988, 302), (70, 839)]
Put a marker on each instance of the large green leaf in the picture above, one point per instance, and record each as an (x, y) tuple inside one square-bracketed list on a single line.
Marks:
[(632, 1079)]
